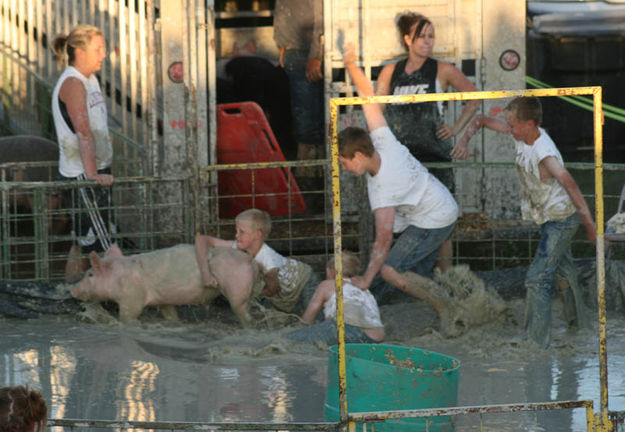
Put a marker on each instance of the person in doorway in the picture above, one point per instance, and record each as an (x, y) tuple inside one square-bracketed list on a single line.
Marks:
[(289, 283), (86, 151), (421, 126), (551, 198), (405, 198), (362, 315), (298, 28), (22, 410)]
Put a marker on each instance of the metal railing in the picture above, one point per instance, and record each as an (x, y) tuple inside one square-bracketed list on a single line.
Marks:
[(356, 421), (140, 209)]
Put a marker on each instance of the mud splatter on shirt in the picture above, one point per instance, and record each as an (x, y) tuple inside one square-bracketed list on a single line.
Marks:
[(541, 200)]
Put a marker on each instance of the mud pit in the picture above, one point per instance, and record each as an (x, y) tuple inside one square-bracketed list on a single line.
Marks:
[(213, 370)]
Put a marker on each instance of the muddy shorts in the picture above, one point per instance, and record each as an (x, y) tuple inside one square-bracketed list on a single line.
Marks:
[(91, 210)]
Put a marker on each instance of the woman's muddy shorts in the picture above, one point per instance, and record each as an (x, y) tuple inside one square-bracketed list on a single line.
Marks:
[(91, 210)]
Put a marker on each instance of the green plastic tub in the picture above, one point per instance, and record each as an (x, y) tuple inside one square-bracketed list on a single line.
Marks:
[(389, 377)]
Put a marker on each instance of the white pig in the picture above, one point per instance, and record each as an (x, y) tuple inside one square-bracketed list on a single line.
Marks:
[(168, 277)]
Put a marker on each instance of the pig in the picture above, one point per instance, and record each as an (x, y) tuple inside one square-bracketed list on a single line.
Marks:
[(169, 277), (17, 151), (28, 148)]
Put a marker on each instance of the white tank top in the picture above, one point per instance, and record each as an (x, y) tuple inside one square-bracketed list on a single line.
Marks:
[(70, 163)]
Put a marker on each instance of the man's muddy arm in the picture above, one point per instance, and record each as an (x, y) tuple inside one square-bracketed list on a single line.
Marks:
[(384, 219), (373, 112), (561, 174), (461, 149), (322, 294)]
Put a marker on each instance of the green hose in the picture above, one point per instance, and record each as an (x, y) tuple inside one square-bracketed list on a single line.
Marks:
[(586, 103)]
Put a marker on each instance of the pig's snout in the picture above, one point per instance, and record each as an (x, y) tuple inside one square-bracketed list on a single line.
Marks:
[(79, 292)]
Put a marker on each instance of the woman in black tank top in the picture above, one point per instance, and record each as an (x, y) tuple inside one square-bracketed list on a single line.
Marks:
[(421, 126)]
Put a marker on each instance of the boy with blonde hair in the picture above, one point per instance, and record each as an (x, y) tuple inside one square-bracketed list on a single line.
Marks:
[(362, 316), (551, 198), (289, 283)]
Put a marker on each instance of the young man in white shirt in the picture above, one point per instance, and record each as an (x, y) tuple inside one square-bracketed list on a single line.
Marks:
[(551, 199), (405, 198)]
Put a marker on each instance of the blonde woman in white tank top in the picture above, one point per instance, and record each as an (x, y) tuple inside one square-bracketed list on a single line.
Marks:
[(86, 153)]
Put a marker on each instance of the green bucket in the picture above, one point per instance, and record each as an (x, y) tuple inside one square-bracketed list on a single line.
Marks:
[(389, 378)]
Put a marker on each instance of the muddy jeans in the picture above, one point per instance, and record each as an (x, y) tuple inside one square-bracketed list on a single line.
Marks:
[(326, 332), (553, 259), (414, 250)]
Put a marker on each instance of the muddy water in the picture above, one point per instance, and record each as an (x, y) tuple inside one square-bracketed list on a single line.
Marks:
[(214, 371)]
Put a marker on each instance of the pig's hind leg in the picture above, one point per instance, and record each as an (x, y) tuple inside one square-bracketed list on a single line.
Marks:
[(240, 307), (169, 312), (238, 293)]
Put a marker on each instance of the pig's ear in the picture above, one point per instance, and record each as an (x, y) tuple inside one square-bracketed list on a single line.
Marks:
[(114, 251), (96, 263)]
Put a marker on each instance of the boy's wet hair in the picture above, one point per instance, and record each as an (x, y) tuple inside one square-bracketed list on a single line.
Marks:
[(351, 264), (405, 21), (526, 108), (256, 219), (355, 139)]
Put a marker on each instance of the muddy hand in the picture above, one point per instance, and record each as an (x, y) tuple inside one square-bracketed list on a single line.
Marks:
[(360, 282), (349, 53), (103, 179), (444, 132), (460, 151)]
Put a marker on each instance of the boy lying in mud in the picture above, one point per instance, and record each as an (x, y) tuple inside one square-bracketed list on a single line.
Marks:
[(362, 316)]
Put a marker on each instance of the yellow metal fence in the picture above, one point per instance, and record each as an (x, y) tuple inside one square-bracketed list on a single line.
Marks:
[(596, 422)]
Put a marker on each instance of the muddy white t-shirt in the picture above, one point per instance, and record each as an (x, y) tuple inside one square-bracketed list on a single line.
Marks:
[(291, 273), (419, 198), (359, 307), (70, 162), (541, 200)]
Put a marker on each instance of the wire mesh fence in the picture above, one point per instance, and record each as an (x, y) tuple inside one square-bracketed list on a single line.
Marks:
[(149, 213)]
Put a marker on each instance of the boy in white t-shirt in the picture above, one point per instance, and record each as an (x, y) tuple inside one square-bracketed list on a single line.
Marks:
[(551, 198), (362, 315), (289, 283), (405, 198)]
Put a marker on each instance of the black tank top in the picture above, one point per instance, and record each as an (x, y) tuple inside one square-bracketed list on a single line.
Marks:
[(414, 124)]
